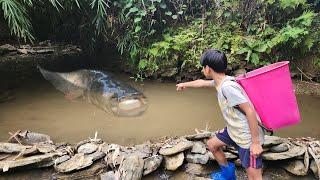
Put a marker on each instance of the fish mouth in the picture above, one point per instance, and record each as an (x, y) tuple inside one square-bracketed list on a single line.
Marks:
[(130, 106)]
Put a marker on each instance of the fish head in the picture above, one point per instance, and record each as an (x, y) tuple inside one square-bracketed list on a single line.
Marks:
[(132, 105)]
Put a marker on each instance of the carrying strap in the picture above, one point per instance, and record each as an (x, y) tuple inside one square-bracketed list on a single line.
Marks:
[(241, 111)]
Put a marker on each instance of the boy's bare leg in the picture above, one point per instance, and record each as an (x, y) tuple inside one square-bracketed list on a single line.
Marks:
[(254, 174), (214, 144)]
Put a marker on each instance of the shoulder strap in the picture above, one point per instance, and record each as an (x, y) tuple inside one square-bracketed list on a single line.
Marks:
[(240, 110)]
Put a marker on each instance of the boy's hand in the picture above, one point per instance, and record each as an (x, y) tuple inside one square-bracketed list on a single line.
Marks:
[(256, 149), (181, 87)]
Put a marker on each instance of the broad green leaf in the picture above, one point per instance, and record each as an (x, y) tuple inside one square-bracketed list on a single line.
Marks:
[(174, 16), (163, 6), (143, 13), (261, 48), (243, 50), (128, 5), (169, 13), (137, 29), (138, 19), (255, 58), (142, 64), (133, 9)]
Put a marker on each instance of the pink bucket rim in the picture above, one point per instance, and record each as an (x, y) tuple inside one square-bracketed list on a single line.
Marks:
[(265, 69)]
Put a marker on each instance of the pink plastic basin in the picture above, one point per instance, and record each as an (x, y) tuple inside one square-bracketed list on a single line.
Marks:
[(271, 92)]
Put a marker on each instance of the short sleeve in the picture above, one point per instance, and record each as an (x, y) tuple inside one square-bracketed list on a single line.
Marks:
[(234, 95)]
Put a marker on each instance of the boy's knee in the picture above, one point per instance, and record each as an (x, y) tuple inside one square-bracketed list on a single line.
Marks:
[(212, 146)]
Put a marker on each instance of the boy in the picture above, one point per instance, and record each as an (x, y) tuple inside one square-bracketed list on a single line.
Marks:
[(242, 130)]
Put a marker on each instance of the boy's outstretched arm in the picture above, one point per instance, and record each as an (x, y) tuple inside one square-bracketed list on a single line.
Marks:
[(195, 84), (255, 148)]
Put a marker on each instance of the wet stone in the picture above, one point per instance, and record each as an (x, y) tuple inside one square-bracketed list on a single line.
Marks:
[(151, 164), (28, 137), (96, 155), (45, 147), (93, 171), (61, 159), (173, 162), (22, 51), (296, 167), (177, 146), (77, 162), (199, 148), (12, 147), (272, 140), (110, 175), (35, 161), (197, 158), (293, 151), (314, 168), (132, 168), (279, 148), (7, 48), (87, 148), (198, 136), (196, 169)]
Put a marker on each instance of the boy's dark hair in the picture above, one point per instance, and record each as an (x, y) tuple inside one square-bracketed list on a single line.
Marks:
[(215, 59)]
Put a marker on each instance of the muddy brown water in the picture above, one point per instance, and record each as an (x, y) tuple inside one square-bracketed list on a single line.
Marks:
[(39, 107)]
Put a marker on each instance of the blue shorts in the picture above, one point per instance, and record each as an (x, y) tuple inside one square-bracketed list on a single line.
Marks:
[(247, 160)]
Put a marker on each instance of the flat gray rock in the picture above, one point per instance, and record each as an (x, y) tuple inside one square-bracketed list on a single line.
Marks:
[(12, 147), (173, 162), (7, 48), (198, 136), (151, 164), (197, 158), (314, 168), (61, 159), (293, 151), (132, 168), (45, 147), (199, 148), (92, 172), (272, 140), (30, 138), (110, 175), (175, 147), (96, 155), (279, 148), (87, 148), (76, 162), (36, 160), (296, 167)]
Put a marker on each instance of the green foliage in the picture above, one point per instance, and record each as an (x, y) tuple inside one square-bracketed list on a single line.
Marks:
[(156, 34), (291, 3), (18, 20), (258, 42)]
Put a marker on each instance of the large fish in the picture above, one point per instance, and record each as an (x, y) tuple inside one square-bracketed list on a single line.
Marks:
[(100, 89)]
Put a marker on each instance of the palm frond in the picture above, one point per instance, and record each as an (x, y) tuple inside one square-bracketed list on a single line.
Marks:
[(18, 20), (56, 4), (99, 21)]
